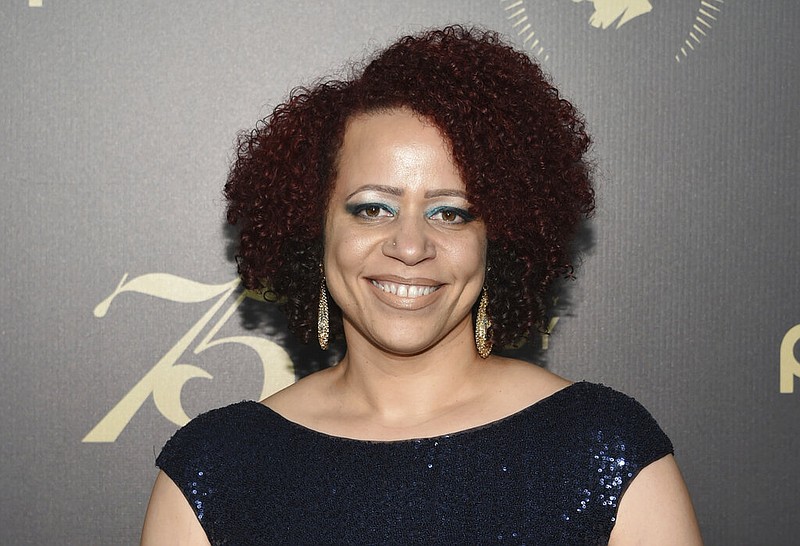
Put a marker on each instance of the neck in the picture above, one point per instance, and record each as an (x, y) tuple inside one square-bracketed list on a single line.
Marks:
[(399, 390)]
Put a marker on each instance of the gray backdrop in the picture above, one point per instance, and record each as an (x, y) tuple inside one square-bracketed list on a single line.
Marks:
[(119, 120)]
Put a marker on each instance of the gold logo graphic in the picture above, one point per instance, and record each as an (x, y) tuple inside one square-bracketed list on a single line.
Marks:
[(522, 25), (706, 15), (614, 14), (545, 336), (790, 367), (166, 378), (621, 11)]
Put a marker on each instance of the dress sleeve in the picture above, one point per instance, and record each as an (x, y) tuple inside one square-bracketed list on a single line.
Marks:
[(195, 458), (625, 438), (632, 430)]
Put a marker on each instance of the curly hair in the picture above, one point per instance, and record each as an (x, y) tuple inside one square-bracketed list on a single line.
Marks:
[(518, 145)]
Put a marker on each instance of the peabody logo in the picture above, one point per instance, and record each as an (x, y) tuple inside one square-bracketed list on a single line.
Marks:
[(697, 20), (790, 365)]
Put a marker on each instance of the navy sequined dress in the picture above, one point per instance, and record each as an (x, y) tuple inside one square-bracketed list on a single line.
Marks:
[(552, 473)]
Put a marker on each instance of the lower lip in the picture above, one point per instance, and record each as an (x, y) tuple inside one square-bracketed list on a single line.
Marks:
[(397, 302)]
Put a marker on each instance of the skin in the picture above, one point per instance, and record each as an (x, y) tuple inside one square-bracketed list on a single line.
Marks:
[(397, 217)]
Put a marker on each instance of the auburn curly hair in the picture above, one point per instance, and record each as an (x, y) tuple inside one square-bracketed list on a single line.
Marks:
[(517, 144)]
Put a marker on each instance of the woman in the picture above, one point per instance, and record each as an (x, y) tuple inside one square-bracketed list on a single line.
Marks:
[(422, 211)]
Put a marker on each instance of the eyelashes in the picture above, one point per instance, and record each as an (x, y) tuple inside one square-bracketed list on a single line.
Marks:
[(444, 214), (450, 215), (371, 210)]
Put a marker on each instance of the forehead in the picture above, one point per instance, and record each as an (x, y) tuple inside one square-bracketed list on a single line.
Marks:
[(392, 122), (398, 146)]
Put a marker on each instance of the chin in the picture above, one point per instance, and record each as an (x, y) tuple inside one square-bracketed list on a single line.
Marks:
[(402, 347), (402, 337)]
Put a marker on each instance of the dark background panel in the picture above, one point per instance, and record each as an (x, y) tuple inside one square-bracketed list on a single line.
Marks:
[(119, 121)]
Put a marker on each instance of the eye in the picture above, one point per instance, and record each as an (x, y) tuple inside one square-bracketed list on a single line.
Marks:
[(450, 215), (370, 210)]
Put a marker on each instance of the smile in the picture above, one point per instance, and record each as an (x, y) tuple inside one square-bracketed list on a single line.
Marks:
[(405, 290)]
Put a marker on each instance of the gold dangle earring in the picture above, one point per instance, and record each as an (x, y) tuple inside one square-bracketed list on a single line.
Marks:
[(323, 324), (482, 325)]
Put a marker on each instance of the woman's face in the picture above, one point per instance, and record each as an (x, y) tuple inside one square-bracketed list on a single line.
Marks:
[(404, 260)]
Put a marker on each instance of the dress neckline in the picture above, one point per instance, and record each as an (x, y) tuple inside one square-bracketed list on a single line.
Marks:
[(463, 432)]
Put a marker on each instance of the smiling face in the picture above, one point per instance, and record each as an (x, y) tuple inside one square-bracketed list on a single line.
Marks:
[(404, 260)]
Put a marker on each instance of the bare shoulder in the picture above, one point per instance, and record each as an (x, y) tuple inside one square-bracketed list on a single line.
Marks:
[(169, 519), (304, 396), (521, 383), (656, 509)]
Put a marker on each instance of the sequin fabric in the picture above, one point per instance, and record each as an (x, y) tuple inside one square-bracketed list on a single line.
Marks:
[(552, 473)]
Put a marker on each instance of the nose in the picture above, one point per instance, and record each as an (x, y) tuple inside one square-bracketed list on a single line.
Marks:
[(409, 241)]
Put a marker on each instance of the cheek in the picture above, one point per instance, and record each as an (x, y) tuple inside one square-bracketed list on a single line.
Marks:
[(346, 252), (347, 247), (469, 252)]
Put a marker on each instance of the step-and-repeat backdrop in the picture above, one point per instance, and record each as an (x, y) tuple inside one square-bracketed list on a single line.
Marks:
[(122, 316)]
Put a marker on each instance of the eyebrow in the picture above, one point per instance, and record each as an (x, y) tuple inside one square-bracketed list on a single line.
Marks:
[(399, 192), (446, 193)]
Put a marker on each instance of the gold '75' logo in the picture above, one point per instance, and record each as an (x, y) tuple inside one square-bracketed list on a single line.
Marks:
[(167, 377)]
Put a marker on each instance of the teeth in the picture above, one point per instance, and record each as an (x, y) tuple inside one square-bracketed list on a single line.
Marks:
[(405, 290)]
